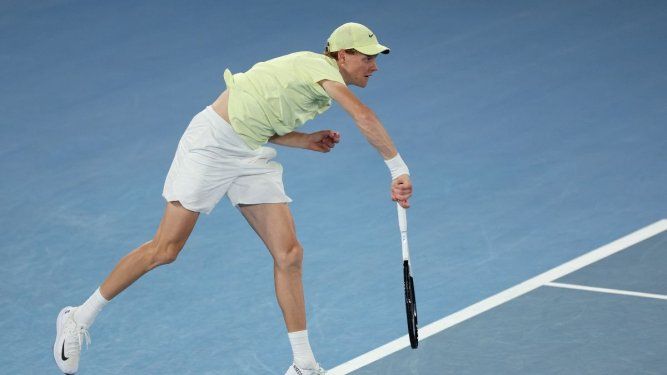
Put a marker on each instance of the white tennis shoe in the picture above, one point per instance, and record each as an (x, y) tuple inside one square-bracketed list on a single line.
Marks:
[(296, 370), (69, 339)]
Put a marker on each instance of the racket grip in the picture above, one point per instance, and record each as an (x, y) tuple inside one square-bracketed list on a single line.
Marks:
[(402, 218), (403, 226)]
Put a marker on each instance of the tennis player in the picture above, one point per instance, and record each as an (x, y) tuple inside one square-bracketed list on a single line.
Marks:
[(222, 152)]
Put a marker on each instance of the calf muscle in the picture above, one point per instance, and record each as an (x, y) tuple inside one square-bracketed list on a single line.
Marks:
[(175, 228)]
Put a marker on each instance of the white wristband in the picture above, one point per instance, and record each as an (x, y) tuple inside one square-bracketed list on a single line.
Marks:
[(397, 166)]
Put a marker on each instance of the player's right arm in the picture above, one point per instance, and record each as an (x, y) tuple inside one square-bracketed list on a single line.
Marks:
[(371, 127), (364, 117)]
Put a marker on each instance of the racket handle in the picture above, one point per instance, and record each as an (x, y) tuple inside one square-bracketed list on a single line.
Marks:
[(402, 218), (403, 226)]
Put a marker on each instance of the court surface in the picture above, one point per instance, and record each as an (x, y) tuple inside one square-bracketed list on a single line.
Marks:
[(602, 313), (534, 130)]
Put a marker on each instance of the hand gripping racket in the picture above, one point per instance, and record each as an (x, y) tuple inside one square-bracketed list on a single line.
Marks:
[(410, 301)]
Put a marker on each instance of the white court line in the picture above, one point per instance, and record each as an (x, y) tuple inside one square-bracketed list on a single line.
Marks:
[(502, 297), (605, 290)]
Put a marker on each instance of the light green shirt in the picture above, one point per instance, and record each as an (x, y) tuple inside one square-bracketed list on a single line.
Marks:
[(279, 95)]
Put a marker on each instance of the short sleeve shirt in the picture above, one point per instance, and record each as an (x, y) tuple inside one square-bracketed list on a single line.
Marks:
[(279, 95)]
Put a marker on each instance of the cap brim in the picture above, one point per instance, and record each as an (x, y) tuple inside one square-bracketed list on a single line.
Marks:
[(373, 49)]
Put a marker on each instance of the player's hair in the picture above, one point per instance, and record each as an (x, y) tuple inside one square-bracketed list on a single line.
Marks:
[(334, 54)]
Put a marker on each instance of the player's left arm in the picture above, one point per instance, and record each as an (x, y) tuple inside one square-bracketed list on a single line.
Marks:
[(322, 141)]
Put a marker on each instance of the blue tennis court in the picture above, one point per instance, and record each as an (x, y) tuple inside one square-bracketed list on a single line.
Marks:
[(535, 132), (607, 317)]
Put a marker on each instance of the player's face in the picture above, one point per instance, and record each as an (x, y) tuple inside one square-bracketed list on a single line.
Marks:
[(358, 68)]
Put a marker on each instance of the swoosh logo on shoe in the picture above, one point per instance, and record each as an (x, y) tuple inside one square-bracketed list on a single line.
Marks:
[(62, 353)]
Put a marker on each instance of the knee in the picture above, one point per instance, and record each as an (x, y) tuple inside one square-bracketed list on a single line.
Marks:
[(162, 252), (290, 259)]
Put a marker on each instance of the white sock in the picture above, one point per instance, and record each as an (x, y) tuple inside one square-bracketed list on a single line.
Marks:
[(303, 355), (86, 313)]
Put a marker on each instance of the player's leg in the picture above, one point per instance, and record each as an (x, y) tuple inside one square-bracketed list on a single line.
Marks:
[(275, 226), (174, 230), (73, 322)]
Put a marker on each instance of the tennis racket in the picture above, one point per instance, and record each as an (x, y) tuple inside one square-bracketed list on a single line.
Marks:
[(410, 301)]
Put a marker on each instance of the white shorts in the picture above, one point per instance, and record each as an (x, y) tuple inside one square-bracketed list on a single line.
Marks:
[(212, 160)]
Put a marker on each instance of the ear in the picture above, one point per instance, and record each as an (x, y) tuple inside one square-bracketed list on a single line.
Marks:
[(342, 56)]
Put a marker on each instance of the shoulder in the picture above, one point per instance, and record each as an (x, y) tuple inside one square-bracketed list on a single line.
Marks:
[(316, 66), (307, 58)]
